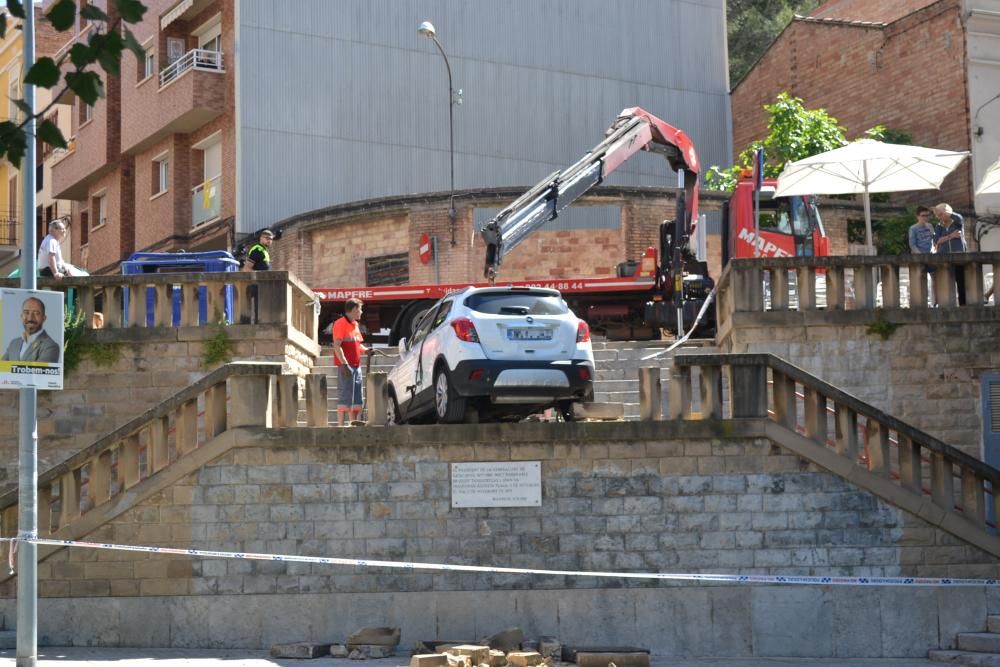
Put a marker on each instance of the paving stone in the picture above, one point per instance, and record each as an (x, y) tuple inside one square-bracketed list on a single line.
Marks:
[(339, 651), (620, 659), (300, 650), (986, 642), (477, 653)]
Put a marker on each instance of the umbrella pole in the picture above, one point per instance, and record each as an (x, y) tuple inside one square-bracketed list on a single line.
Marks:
[(869, 248)]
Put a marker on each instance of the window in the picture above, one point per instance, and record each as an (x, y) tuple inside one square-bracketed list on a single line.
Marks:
[(387, 270), (517, 303), (86, 112), (99, 206), (84, 227), (12, 94), (161, 171), (147, 65)]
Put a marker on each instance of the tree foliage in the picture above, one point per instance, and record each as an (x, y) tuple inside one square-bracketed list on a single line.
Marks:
[(793, 133), (753, 24), (77, 70)]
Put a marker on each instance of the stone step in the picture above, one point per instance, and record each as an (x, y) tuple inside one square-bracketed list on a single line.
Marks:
[(993, 624), (965, 658), (8, 639), (982, 642)]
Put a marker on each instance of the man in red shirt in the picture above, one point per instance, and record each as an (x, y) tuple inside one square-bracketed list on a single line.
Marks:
[(347, 349)]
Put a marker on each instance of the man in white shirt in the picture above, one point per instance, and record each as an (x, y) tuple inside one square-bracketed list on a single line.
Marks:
[(50, 261)]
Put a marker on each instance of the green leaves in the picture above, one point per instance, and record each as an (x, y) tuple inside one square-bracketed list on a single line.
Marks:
[(104, 48), (44, 73), (87, 85), (62, 15), (50, 133), (15, 9), (131, 11)]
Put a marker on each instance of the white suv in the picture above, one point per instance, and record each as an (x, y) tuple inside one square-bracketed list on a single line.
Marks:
[(492, 352)]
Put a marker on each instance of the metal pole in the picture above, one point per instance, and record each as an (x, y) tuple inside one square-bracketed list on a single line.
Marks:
[(437, 263), (451, 140), (27, 496)]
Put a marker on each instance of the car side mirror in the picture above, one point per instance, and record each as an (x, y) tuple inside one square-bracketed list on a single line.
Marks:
[(402, 346)]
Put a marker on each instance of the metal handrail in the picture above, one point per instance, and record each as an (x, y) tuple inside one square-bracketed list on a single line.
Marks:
[(201, 59)]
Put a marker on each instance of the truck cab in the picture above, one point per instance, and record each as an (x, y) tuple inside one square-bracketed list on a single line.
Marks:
[(789, 226)]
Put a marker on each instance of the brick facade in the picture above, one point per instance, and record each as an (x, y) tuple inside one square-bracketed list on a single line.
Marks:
[(140, 121), (908, 74)]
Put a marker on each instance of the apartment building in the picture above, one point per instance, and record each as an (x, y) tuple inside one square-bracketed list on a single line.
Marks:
[(243, 114), (47, 206), (149, 161)]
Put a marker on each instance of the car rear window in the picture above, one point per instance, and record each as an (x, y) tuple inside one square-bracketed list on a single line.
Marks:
[(516, 303)]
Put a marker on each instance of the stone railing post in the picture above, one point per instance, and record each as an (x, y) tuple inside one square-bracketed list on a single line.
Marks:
[(650, 394), (136, 305), (910, 465), (710, 387), (158, 429), (748, 390), (805, 277), (186, 427), (87, 305), (163, 309), (890, 285), (376, 398), (918, 285), (779, 289), (250, 401), (835, 289), (815, 414), (113, 307), (680, 392), (974, 289), (274, 302), (846, 432), (944, 286), (942, 484), (287, 403), (749, 286), (973, 497), (317, 411), (878, 448), (784, 400), (864, 288), (215, 410)]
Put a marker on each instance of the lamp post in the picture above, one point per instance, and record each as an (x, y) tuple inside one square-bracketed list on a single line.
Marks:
[(427, 30)]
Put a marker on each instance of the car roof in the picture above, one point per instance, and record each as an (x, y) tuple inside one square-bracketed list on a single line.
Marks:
[(510, 289)]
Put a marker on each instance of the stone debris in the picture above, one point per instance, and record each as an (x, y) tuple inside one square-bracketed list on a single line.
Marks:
[(549, 647), (569, 652), (618, 659), (425, 646), (497, 658), (429, 660), (300, 650), (365, 651), (339, 651), (525, 658), (374, 637), (478, 654), (506, 640)]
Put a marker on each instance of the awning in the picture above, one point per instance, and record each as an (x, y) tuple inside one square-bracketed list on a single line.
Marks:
[(175, 13)]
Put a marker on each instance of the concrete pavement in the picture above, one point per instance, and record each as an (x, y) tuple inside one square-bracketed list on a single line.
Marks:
[(123, 657)]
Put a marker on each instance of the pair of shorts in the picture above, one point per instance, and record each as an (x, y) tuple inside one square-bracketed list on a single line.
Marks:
[(349, 388)]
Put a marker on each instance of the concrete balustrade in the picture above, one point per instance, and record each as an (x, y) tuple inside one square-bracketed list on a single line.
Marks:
[(193, 299), (849, 283), (903, 464)]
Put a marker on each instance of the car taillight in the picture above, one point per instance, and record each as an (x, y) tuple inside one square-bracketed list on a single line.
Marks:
[(582, 333), (584, 373), (465, 330)]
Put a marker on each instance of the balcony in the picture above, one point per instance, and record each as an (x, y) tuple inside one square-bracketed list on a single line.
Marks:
[(93, 154), (191, 93), (199, 59), (206, 201)]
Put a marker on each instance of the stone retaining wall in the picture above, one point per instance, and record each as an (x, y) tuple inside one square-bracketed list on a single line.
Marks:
[(677, 497)]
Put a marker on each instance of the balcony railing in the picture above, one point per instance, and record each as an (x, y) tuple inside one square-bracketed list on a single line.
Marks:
[(9, 229), (200, 59), (206, 201)]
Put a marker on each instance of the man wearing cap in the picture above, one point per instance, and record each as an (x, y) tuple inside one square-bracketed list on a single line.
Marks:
[(949, 237), (50, 261), (259, 258)]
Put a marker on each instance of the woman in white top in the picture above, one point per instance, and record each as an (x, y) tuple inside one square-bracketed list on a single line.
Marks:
[(50, 261)]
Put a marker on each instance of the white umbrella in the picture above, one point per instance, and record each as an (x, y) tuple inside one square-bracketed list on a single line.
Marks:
[(991, 181), (868, 166)]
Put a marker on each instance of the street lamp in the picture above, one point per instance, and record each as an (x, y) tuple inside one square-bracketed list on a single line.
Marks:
[(427, 30)]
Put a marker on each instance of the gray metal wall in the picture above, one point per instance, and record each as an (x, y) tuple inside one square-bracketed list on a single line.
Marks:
[(343, 100)]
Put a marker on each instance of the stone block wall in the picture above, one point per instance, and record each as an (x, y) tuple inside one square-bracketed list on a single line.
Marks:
[(926, 374), (614, 498), (152, 365)]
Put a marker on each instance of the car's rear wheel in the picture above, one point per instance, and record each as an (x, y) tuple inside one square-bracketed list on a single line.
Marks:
[(449, 407), (392, 410)]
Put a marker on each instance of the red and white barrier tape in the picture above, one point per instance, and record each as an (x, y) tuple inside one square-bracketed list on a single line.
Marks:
[(445, 567)]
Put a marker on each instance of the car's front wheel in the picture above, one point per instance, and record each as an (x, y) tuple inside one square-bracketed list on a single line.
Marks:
[(449, 407)]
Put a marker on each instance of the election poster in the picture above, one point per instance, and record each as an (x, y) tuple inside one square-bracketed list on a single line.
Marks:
[(31, 337)]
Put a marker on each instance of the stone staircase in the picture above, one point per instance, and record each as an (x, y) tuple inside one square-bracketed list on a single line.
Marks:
[(976, 649), (616, 378)]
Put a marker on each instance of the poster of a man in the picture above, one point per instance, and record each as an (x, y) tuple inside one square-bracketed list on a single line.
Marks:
[(34, 344), (31, 338)]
